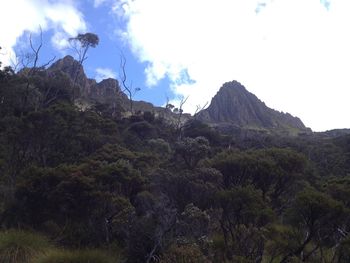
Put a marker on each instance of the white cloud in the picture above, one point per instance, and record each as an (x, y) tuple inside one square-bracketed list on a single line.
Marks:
[(20, 16), (98, 3), (104, 73), (60, 40), (294, 55)]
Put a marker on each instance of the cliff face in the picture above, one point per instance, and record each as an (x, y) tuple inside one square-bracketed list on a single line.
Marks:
[(104, 91), (234, 105), (107, 91)]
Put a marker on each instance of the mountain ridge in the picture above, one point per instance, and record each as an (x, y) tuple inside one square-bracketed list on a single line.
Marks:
[(234, 105), (106, 91)]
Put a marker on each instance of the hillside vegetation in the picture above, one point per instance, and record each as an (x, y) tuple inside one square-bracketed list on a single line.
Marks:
[(93, 184)]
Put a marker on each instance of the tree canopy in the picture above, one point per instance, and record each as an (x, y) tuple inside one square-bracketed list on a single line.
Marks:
[(120, 188)]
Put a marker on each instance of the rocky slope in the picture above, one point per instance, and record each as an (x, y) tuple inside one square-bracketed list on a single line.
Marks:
[(233, 105), (107, 91), (231, 108)]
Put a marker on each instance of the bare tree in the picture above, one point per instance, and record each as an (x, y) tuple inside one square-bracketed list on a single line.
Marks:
[(127, 87), (166, 216), (30, 60), (199, 108), (178, 112), (179, 124), (168, 105)]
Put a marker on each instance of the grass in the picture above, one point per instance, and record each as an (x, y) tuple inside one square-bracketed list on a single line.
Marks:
[(21, 247), (77, 256)]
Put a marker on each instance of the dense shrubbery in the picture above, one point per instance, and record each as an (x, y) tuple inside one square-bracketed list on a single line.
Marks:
[(79, 256), (21, 246), (140, 188)]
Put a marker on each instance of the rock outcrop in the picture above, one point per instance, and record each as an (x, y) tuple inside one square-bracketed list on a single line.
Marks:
[(234, 105), (105, 91)]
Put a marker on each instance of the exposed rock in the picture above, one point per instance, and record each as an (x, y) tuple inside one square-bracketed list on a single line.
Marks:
[(106, 91), (73, 69), (232, 108), (233, 105)]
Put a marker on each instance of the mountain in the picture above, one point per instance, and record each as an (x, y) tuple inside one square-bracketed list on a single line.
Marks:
[(234, 106), (92, 178), (90, 90), (108, 92)]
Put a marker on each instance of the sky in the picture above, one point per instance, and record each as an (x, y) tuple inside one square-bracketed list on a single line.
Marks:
[(292, 54)]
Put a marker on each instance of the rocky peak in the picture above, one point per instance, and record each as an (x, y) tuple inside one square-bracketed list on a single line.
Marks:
[(68, 65), (234, 105), (105, 91), (75, 72)]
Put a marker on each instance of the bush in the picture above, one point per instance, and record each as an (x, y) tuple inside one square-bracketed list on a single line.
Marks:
[(186, 253), (20, 246), (78, 256)]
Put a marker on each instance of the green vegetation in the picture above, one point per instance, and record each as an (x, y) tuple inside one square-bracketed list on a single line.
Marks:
[(20, 246), (103, 188), (79, 256)]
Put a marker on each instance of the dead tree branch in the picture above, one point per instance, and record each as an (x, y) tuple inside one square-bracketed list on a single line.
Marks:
[(127, 87), (199, 108)]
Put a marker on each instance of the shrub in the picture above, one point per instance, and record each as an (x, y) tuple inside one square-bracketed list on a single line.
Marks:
[(20, 246), (78, 256), (185, 253)]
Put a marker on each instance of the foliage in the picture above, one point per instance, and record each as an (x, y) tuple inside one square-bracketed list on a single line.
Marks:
[(344, 251), (195, 128), (79, 256), (192, 150), (244, 214), (90, 180), (159, 146), (276, 172), (197, 186), (189, 253), (193, 223), (317, 218), (20, 246), (87, 39)]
